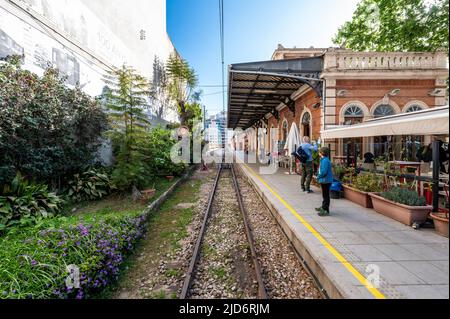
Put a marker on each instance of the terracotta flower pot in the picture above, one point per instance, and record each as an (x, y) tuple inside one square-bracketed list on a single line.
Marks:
[(440, 223), (359, 197), (170, 178), (148, 194), (405, 214)]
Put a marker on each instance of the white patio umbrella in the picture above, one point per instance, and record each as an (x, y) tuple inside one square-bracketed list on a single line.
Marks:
[(292, 143)]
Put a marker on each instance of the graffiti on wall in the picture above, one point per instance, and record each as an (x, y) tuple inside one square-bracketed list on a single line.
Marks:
[(8, 46), (41, 50), (68, 65)]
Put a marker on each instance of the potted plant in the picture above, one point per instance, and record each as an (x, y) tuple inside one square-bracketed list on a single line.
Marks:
[(403, 205), (339, 171), (358, 188), (440, 220), (381, 163), (148, 194)]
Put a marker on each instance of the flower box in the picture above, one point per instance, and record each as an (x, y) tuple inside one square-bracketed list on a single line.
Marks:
[(147, 194), (405, 214), (440, 223), (359, 197)]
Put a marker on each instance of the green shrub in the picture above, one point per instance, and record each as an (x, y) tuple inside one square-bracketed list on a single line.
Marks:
[(26, 203), (143, 157), (47, 130), (90, 185), (405, 196), (339, 171), (368, 182), (34, 260), (365, 182), (158, 144)]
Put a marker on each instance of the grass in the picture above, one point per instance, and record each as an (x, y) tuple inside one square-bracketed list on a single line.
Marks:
[(162, 185), (219, 272), (119, 203), (173, 272), (207, 250), (160, 295), (167, 227), (21, 278)]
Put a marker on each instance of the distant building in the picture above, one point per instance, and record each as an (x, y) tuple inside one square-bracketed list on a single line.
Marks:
[(215, 127)]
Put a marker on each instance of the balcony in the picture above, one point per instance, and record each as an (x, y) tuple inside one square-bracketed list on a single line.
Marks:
[(345, 60)]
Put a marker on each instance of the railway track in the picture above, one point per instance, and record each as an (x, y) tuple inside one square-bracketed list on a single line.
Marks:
[(225, 172)]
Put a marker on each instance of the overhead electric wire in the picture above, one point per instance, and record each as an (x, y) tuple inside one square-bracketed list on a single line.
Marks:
[(222, 46), (222, 52), (215, 93)]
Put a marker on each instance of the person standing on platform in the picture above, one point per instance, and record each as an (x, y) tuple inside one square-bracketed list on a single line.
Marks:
[(305, 150), (325, 178)]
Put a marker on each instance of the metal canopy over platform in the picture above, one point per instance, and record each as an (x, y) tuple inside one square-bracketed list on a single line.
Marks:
[(257, 88)]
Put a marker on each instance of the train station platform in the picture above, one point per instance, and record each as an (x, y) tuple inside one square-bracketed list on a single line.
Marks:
[(347, 250)]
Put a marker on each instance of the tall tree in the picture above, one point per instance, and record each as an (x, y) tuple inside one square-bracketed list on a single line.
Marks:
[(193, 112), (397, 25), (182, 84), (127, 100), (161, 101)]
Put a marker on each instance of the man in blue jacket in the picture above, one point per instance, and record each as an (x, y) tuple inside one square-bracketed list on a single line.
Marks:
[(307, 168), (325, 178)]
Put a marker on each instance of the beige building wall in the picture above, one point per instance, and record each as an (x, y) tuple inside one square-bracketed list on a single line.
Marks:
[(86, 38)]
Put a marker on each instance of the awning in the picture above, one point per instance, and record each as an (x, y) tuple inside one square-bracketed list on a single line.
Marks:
[(257, 88), (432, 121)]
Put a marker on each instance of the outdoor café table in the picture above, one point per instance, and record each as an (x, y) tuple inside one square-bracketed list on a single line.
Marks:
[(405, 164)]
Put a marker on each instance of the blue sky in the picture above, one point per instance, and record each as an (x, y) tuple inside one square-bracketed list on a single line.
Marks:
[(253, 29)]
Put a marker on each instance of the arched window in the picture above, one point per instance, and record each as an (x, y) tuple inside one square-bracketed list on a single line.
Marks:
[(383, 110), (306, 119), (306, 124), (354, 111), (285, 131), (414, 108), (353, 115)]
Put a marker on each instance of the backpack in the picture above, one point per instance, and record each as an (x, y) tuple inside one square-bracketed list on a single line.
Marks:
[(301, 155)]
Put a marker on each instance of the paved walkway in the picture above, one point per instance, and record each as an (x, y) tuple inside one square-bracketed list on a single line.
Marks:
[(349, 245)]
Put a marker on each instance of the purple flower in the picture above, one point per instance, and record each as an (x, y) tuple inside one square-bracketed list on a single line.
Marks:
[(84, 231)]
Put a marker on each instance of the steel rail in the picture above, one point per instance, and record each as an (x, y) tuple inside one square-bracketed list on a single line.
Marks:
[(196, 254), (262, 293)]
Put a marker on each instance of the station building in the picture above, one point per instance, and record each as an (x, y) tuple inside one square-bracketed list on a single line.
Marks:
[(325, 92)]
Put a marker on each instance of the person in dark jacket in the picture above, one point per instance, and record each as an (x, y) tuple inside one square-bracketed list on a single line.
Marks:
[(308, 167), (443, 156), (325, 178)]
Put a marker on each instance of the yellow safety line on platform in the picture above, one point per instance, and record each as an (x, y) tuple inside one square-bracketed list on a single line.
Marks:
[(374, 291)]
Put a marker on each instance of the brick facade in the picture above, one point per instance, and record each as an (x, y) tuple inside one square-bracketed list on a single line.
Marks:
[(304, 104), (370, 92), (366, 80)]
